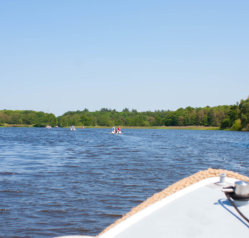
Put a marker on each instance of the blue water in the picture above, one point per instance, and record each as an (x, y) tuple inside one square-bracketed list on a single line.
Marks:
[(58, 182)]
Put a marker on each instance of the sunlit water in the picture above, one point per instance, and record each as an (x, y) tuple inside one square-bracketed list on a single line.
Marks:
[(59, 182)]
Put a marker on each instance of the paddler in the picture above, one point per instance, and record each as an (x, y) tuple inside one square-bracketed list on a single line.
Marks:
[(119, 129), (113, 129)]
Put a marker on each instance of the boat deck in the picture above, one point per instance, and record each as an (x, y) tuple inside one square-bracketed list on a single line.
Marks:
[(192, 207), (200, 210)]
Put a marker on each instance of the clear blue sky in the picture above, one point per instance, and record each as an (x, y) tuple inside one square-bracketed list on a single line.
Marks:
[(58, 55)]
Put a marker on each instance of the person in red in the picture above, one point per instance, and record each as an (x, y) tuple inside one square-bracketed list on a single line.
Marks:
[(119, 129)]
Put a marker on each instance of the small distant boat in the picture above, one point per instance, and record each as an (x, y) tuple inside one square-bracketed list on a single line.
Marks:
[(48, 126), (72, 128), (211, 203), (116, 132)]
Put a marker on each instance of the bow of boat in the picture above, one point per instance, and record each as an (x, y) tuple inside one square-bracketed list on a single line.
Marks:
[(196, 206)]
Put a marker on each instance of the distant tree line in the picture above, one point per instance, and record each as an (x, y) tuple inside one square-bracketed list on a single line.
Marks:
[(27, 117), (235, 117)]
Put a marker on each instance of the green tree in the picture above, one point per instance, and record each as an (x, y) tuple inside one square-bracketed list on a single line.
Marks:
[(237, 125), (244, 114)]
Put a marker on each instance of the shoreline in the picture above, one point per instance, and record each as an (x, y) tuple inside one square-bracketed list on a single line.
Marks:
[(15, 125), (128, 127)]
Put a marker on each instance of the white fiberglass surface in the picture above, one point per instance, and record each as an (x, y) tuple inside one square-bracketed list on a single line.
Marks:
[(197, 213)]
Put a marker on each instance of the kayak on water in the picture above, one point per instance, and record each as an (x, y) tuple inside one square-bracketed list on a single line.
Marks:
[(118, 132)]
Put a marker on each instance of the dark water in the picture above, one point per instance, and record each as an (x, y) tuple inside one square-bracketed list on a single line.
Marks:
[(59, 182)]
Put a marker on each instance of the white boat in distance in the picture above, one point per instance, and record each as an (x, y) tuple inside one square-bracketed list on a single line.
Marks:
[(211, 203), (72, 128), (118, 132)]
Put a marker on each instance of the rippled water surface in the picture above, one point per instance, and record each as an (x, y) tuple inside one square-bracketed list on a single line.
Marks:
[(58, 182)]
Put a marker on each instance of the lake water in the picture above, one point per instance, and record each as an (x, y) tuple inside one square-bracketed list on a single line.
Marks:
[(59, 182)]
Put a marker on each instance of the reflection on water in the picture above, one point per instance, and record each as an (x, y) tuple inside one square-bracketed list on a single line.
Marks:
[(59, 182)]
